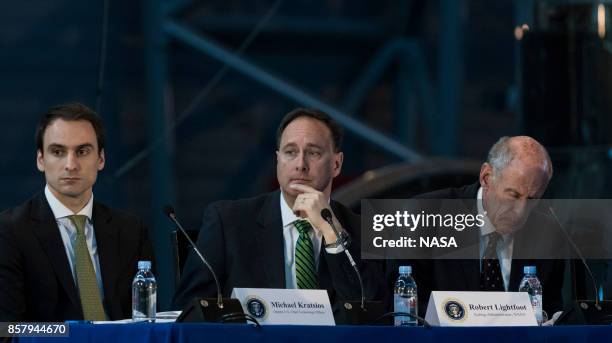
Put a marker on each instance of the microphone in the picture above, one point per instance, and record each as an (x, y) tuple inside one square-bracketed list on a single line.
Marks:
[(169, 211), (327, 216), (581, 312), (233, 312), (580, 256), (376, 314)]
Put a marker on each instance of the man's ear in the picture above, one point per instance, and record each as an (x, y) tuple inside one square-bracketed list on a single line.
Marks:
[(486, 175), (101, 160), (338, 159), (40, 161)]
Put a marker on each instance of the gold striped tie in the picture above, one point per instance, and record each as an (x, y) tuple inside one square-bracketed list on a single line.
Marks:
[(87, 283)]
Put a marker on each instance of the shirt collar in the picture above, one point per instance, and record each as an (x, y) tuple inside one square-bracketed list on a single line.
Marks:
[(286, 213), (488, 227), (61, 211)]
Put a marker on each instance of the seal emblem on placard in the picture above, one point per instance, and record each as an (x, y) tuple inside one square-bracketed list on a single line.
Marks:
[(455, 310), (256, 307)]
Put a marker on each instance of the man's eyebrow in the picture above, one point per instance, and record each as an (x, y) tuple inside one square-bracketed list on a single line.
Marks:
[(56, 146), (309, 145), (60, 146), (529, 197), (86, 145), (312, 145), (290, 144)]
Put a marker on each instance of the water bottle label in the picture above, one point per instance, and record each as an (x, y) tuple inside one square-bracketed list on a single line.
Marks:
[(408, 305), (536, 302), (144, 297)]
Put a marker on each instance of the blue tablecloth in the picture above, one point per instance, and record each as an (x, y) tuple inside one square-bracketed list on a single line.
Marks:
[(183, 333)]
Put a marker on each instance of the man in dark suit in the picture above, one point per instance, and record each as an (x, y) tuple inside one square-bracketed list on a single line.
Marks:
[(516, 232), (261, 242), (64, 256)]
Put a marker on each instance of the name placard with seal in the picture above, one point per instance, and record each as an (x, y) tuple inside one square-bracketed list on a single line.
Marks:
[(480, 309), (286, 306)]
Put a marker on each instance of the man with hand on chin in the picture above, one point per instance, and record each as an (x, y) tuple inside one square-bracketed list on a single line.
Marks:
[(280, 239), (308, 205)]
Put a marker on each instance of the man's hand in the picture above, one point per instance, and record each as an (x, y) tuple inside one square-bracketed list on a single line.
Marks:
[(308, 205)]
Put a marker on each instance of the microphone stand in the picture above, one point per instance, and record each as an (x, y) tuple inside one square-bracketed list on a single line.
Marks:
[(200, 310), (327, 216), (374, 312), (583, 314)]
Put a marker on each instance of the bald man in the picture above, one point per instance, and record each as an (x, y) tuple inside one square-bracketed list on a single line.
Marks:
[(515, 175)]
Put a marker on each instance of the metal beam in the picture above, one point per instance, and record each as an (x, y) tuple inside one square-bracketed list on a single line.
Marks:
[(422, 84), (208, 47), (450, 70), (412, 60), (160, 164), (292, 25), (370, 76), (171, 7), (406, 120)]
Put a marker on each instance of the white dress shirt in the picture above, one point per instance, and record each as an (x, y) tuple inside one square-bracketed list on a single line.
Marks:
[(504, 245), (290, 237), (68, 232)]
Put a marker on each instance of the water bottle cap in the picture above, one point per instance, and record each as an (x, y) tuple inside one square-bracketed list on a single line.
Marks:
[(529, 269), (405, 269), (144, 264)]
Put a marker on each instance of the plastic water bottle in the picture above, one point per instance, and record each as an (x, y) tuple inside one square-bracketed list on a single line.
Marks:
[(144, 293), (405, 297), (531, 284)]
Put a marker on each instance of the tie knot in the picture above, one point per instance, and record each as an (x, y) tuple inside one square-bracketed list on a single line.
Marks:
[(79, 223), (303, 226)]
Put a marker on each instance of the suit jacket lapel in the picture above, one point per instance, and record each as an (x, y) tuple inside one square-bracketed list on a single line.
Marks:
[(50, 239), (108, 242), (269, 237), (471, 267), (516, 274)]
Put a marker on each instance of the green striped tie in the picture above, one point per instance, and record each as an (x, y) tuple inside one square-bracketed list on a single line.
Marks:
[(85, 274), (305, 269)]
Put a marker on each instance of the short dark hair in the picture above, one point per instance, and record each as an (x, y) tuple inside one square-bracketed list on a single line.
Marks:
[(70, 112), (336, 130)]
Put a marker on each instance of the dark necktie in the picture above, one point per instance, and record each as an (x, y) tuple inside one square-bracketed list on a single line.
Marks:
[(89, 292), (305, 269), (491, 276)]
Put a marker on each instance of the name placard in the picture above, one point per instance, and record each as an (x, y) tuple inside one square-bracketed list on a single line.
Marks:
[(480, 309), (286, 306)]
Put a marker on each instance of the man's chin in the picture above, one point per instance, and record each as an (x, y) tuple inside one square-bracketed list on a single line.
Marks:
[(71, 192), (508, 230)]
